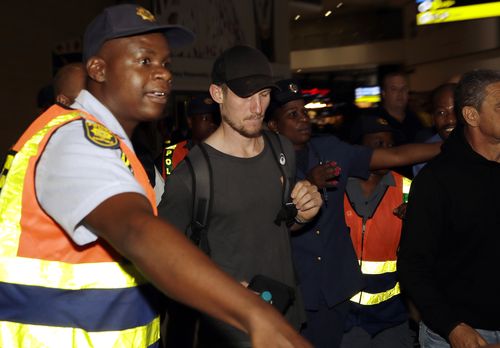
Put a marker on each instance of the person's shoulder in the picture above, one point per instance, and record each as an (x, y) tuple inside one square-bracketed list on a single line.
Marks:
[(180, 170), (85, 134), (284, 142), (436, 170), (180, 181), (380, 111), (70, 133)]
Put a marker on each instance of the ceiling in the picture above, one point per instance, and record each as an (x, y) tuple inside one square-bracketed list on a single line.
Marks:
[(310, 9)]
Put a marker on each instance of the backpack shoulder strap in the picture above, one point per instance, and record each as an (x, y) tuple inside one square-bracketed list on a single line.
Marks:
[(274, 141), (202, 189), (287, 211)]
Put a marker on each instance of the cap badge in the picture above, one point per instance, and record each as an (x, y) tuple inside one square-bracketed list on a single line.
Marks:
[(145, 14), (293, 87), (99, 135), (382, 121)]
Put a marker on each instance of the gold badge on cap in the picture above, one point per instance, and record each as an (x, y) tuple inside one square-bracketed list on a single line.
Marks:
[(145, 14), (293, 87), (99, 135), (382, 121)]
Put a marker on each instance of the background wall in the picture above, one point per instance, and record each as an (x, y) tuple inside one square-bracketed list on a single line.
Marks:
[(366, 41), (32, 31)]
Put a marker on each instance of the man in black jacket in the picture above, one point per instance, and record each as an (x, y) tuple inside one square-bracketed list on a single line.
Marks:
[(448, 260)]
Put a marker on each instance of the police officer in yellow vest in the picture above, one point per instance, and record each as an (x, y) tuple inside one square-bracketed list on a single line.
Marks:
[(378, 317), (78, 232)]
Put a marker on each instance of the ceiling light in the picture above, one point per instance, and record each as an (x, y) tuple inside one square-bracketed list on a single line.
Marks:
[(297, 17), (339, 5), (327, 13), (315, 105)]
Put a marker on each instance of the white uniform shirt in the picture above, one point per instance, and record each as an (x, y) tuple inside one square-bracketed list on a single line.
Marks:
[(74, 176)]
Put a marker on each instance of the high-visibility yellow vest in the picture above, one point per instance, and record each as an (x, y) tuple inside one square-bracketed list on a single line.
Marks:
[(54, 293)]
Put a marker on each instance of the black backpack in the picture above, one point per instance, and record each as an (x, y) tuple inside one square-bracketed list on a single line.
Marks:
[(202, 189)]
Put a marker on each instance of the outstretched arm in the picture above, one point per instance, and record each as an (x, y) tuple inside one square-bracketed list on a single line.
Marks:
[(180, 270), (403, 155)]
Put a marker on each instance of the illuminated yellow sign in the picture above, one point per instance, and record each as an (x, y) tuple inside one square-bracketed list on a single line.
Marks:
[(441, 12)]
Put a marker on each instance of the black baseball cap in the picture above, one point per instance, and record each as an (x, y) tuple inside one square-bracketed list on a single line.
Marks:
[(244, 69), (129, 20), (201, 104), (367, 124)]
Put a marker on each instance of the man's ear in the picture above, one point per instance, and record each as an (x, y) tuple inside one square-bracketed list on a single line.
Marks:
[(189, 121), (471, 116), (216, 93), (62, 99), (96, 69)]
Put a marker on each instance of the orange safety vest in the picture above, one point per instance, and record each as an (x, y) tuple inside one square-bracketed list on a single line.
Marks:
[(376, 242), (54, 293)]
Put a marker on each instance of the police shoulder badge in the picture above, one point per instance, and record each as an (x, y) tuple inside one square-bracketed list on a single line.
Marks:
[(99, 135)]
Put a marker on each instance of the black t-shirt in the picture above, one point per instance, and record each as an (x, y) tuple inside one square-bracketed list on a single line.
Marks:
[(243, 238)]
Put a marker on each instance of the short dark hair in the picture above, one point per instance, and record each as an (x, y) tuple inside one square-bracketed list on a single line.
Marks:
[(449, 86), (471, 89)]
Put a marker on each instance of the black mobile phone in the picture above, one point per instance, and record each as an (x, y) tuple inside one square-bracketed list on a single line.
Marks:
[(282, 295)]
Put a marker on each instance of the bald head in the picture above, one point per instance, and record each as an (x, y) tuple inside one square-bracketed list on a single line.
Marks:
[(68, 82)]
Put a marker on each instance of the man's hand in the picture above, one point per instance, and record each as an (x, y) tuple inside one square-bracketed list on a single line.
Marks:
[(307, 200), (324, 175), (274, 332), (464, 336)]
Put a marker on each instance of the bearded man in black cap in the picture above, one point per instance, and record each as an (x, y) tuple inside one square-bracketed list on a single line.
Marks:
[(78, 232), (243, 237)]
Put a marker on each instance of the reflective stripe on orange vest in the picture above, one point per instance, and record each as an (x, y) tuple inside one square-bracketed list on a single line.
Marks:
[(378, 267), (368, 299), (39, 336)]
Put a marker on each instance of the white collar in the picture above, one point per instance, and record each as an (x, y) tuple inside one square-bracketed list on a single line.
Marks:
[(87, 102)]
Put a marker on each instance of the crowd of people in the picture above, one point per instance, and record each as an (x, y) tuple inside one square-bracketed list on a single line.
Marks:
[(253, 231)]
